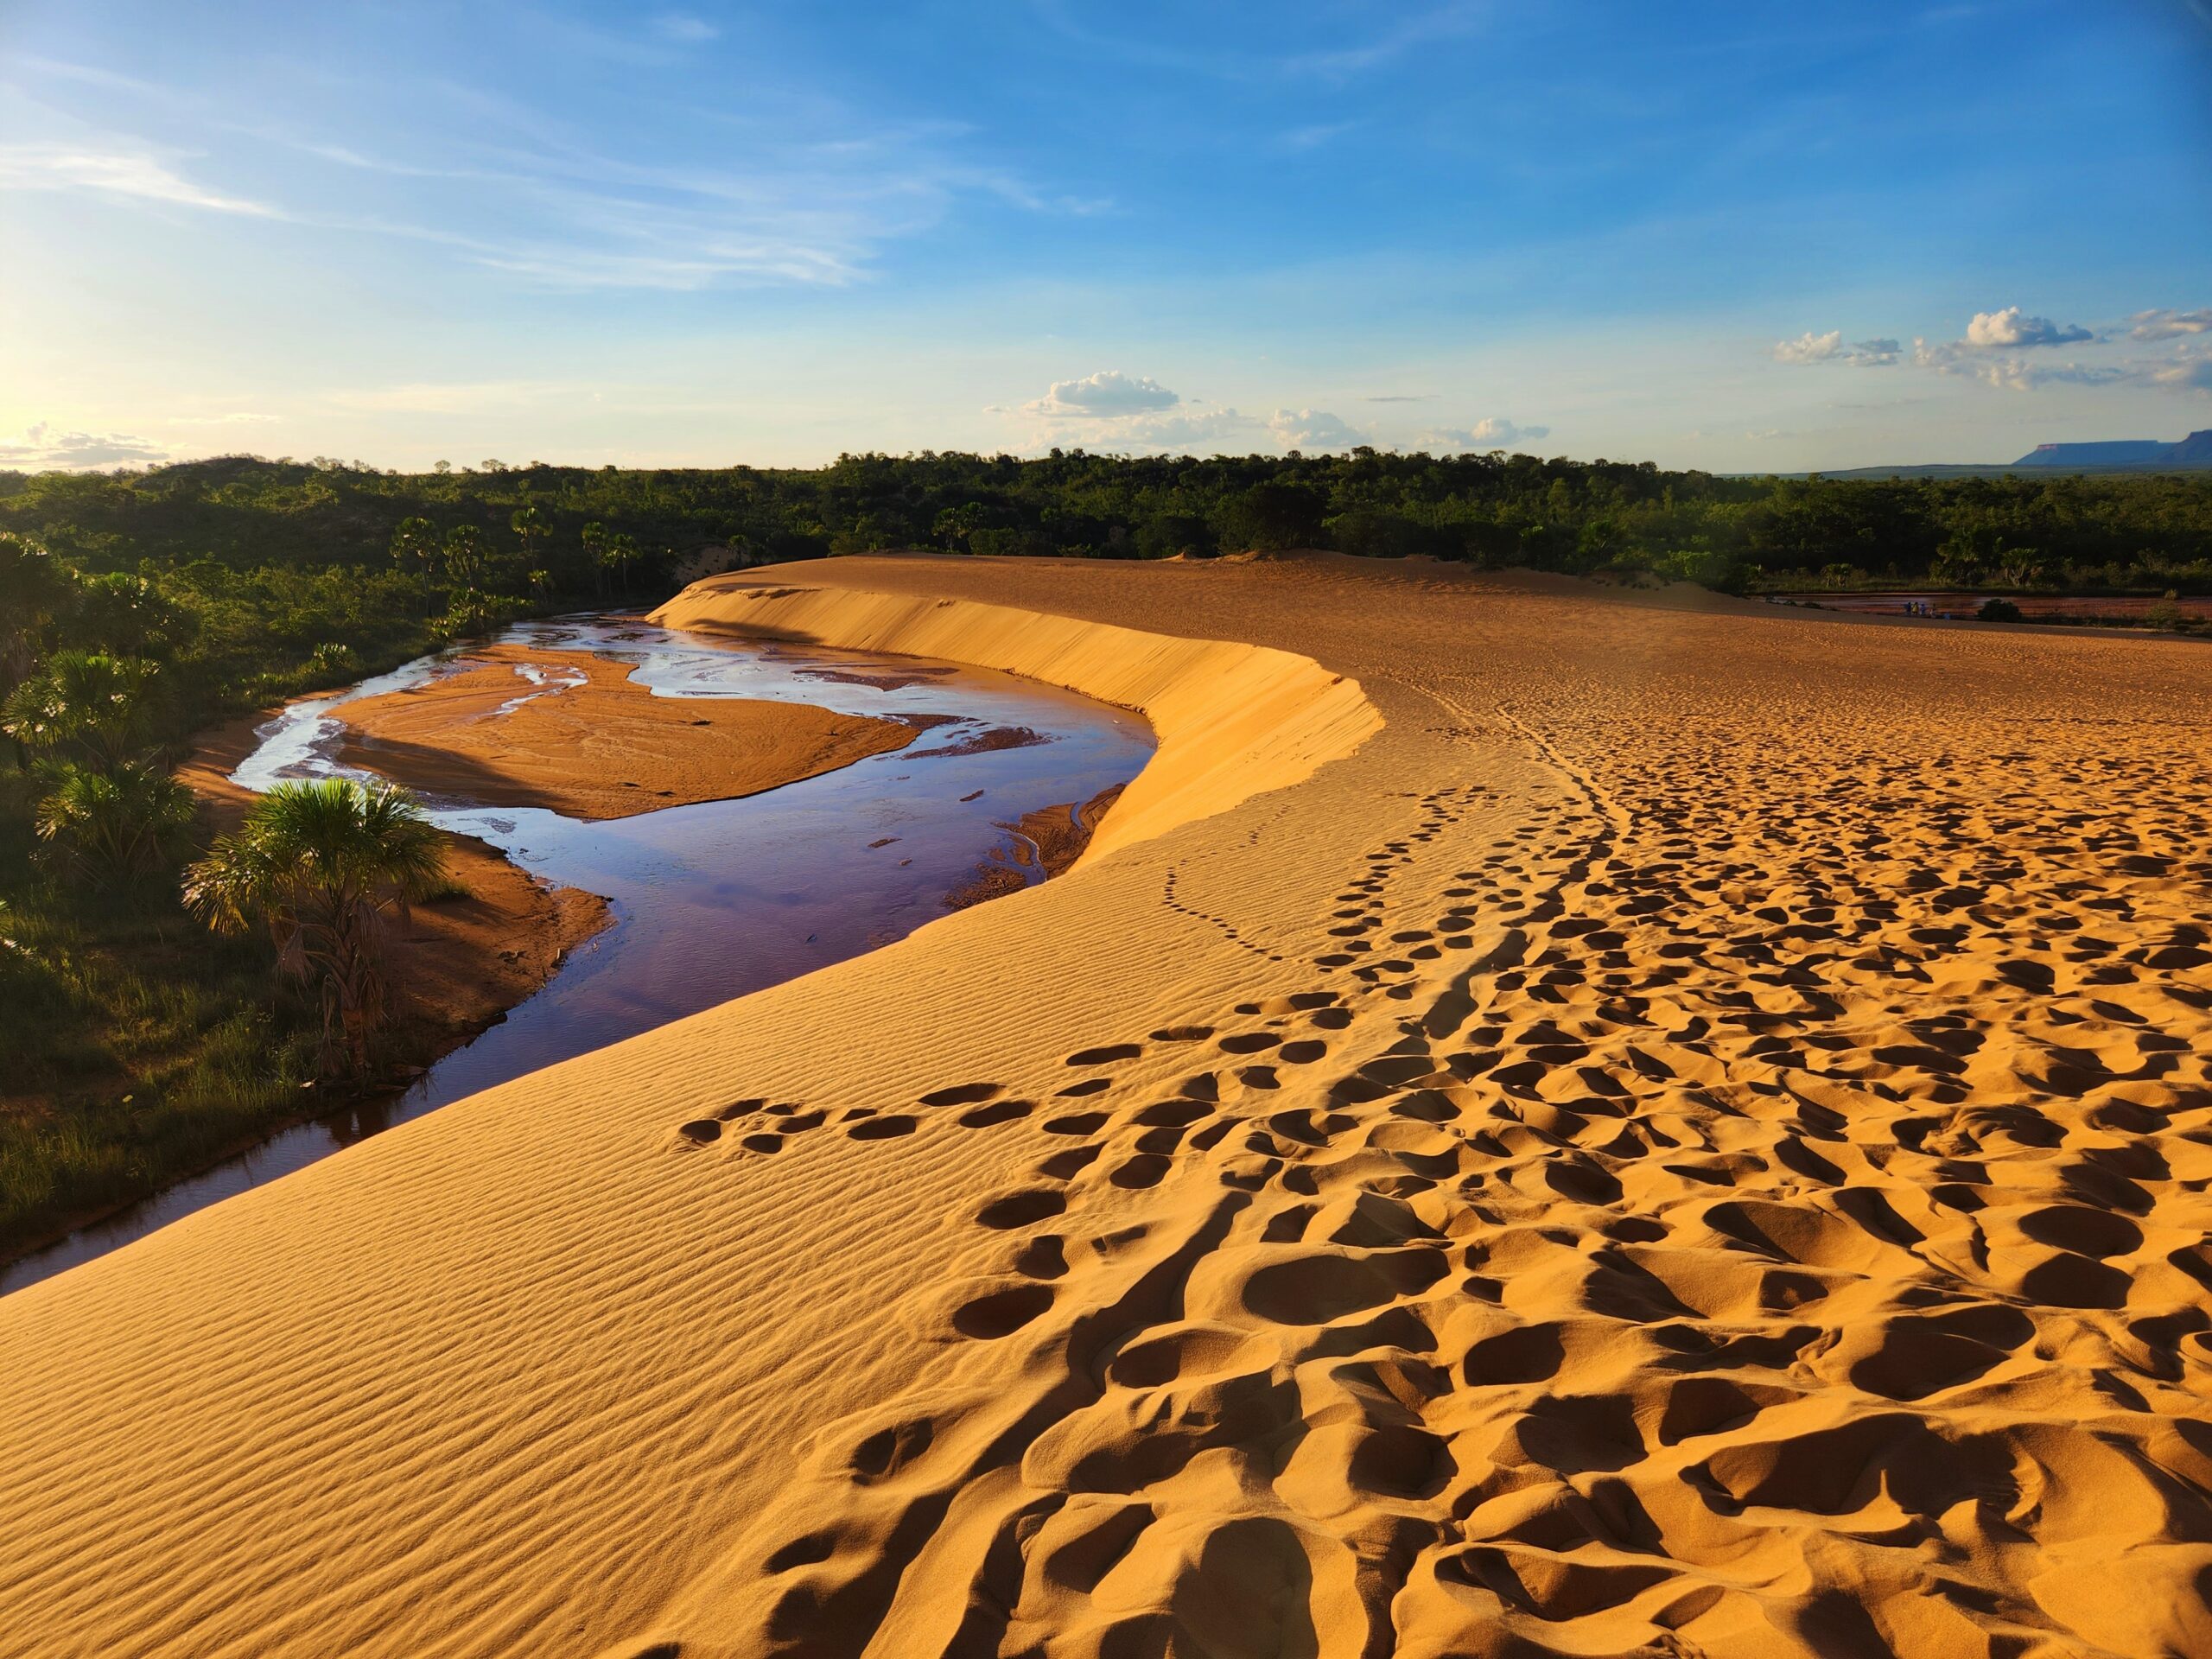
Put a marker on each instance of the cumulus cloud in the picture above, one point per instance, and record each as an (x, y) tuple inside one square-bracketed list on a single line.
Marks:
[(1313, 429), (2008, 330), (44, 449), (2014, 374), (113, 172), (1488, 434), (2170, 325), (1106, 395), (1216, 429), (1809, 347)]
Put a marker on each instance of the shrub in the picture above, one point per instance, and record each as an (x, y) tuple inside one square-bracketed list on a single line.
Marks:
[(106, 827), (1998, 610)]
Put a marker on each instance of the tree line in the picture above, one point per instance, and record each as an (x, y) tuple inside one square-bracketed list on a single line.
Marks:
[(536, 533)]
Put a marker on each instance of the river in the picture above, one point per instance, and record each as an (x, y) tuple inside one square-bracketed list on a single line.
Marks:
[(713, 901)]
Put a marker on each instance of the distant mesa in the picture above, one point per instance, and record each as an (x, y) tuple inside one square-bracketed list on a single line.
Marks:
[(2119, 452), (2116, 455), (2195, 450)]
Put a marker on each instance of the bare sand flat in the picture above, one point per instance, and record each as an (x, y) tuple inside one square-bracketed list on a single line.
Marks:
[(1546, 1123), (583, 738)]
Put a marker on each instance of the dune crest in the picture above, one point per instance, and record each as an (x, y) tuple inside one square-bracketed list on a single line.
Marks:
[(1233, 719), (1545, 1124)]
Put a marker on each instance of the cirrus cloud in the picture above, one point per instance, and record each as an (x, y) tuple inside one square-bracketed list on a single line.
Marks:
[(2170, 325)]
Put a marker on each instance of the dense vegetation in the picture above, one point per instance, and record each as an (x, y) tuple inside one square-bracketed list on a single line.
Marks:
[(137, 607), (236, 521)]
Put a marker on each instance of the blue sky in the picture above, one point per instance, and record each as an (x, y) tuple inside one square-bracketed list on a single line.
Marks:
[(1730, 236)]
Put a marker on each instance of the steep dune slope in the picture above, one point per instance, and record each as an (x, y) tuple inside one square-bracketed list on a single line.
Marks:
[(1689, 1135)]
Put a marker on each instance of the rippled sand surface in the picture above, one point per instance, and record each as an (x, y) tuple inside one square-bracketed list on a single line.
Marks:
[(1547, 1123)]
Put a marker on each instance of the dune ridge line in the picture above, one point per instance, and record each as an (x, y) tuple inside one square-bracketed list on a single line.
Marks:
[(1232, 720)]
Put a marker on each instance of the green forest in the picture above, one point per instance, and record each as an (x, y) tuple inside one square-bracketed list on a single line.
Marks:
[(137, 607), (2063, 533)]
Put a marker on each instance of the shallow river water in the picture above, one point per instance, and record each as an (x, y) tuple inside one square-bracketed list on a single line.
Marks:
[(713, 901)]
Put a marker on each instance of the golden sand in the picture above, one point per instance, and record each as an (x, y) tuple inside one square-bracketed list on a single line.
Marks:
[(606, 748), (1547, 1122)]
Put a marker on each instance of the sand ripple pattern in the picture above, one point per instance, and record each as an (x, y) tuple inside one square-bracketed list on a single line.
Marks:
[(1550, 1124), (1787, 1238)]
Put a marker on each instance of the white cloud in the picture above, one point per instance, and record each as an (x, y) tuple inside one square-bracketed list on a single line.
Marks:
[(1215, 430), (2170, 325), (1313, 429), (2185, 374), (43, 448), (2014, 374), (2008, 330), (1810, 347), (1108, 395), (1488, 434), (137, 175)]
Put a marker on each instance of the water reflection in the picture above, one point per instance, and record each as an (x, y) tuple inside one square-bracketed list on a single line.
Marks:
[(712, 900)]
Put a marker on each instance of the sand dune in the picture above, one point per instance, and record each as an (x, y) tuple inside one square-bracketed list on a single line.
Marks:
[(1546, 1123)]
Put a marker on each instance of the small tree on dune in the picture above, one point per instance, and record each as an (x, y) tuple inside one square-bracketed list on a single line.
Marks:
[(325, 866)]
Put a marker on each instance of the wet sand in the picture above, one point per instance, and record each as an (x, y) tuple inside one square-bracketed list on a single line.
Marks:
[(1547, 1121), (513, 726)]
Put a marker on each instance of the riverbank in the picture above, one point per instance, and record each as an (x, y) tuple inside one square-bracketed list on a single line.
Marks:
[(462, 960), (717, 897), (1547, 1121)]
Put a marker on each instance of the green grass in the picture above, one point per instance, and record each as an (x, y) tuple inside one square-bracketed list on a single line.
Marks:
[(139, 1048)]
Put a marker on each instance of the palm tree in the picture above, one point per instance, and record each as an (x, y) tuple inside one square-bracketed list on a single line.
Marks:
[(33, 587), (529, 528), (464, 554), (113, 826), (415, 549), (621, 551), (594, 541), (325, 866), (85, 700)]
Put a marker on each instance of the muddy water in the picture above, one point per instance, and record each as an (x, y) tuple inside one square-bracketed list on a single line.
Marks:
[(713, 901)]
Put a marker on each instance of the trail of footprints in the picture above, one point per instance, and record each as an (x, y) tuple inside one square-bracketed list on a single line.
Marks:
[(1663, 1224)]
